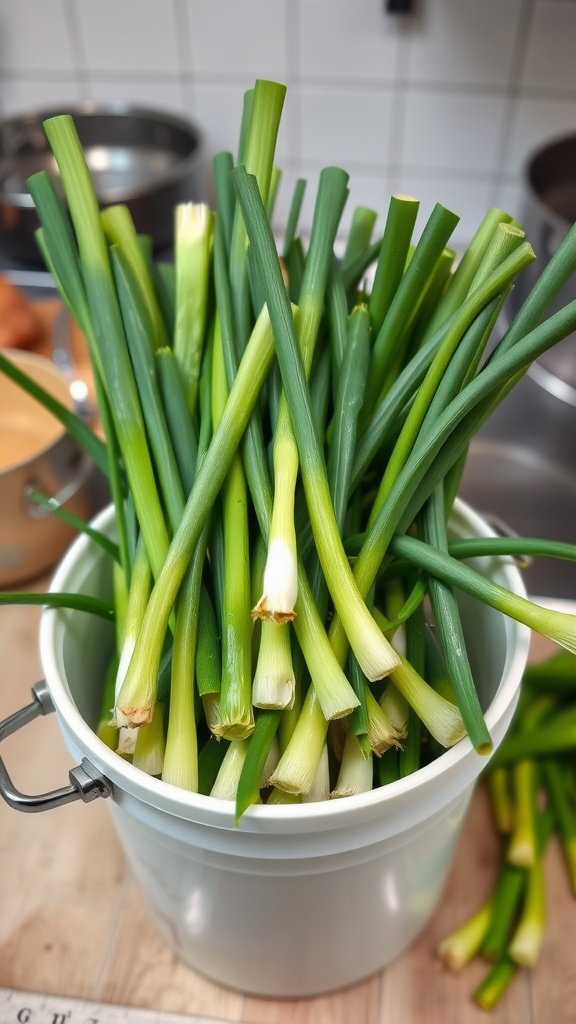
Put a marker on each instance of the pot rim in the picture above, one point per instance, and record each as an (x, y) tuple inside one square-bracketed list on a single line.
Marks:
[(220, 813), (23, 200)]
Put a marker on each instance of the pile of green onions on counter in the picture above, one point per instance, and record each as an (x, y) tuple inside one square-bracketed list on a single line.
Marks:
[(286, 430), (531, 784)]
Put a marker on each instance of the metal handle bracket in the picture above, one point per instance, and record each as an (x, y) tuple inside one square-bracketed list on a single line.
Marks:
[(86, 782)]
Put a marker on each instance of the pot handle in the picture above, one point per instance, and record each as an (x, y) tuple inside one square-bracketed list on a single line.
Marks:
[(86, 782)]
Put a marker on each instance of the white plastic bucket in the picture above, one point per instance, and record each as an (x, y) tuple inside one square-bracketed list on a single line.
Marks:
[(296, 899)]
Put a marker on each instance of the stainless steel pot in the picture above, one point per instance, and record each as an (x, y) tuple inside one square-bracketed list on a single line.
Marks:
[(37, 454), (147, 159)]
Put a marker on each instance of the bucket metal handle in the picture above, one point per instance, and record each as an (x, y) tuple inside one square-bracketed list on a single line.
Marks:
[(86, 782)]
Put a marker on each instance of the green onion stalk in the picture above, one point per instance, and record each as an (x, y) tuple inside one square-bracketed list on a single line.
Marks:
[(226, 785), (150, 744), (464, 943), (491, 989), (114, 361), (235, 716), (558, 626), (498, 783), (371, 648), (274, 683), (356, 770), (336, 696), (558, 783), (193, 244), (528, 936), (280, 589), (392, 338), (320, 788), (359, 233)]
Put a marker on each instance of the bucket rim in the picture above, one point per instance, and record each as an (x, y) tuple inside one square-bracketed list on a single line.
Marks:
[(286, 817)]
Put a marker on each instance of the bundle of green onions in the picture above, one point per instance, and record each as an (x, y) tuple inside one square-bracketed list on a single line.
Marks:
[(531, 784), (284, 443)]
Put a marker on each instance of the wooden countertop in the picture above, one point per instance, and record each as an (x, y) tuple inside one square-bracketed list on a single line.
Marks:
[(72, 921)]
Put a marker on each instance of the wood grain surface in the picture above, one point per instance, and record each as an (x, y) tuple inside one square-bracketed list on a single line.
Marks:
[(72, 921)]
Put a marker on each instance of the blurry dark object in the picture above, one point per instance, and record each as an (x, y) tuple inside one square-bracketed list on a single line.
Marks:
[(147, 159), (399, 6)]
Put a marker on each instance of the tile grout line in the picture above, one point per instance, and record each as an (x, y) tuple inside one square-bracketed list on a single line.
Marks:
[(186, 76), (440, 89), (81, 73), (292, 24), (397, 135), (525, 17)]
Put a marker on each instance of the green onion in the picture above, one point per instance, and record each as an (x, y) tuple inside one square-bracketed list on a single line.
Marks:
[(522, 846), (298, 765), (491, 990), (442, 719), (274, 683), (356, 770), (121, 233), (528, 936), (149, 748), (193, 242), (236, 716), (557, 626), (226, 784), (467, 268), (138, 595), (501, 799), (280, 577), (181, 755), (251, 776), (370, 647), (393, 335), (458, 948), (320, 788), (559, 788), (400, 221), (109, 333), (79, 602), (359, 233)]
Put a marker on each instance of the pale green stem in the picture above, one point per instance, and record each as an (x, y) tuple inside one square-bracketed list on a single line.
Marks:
[(149, 750), (356, 771), (320, 788), (274, 683), (458, 948), (226, 783)]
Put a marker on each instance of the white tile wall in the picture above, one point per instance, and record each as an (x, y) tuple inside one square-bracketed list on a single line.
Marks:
[(549, 61), (457, 131), (445, 103), (128, 36), (244, 40), (341, 41), (464, 42), (34, 37)]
